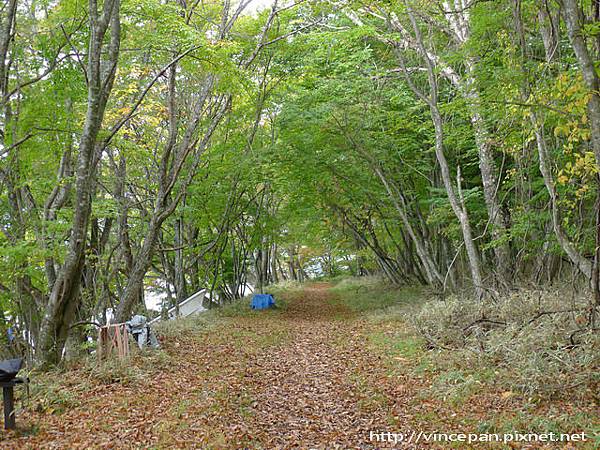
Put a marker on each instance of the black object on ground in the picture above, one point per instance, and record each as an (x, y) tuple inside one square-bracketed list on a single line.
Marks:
[(9, 368), (8, 380)]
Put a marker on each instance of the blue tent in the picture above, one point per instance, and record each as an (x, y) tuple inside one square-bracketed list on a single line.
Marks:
[(262, 301)]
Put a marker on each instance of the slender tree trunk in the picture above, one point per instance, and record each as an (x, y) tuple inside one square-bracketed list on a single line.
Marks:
[(135, 282), (274, 264), (549, 29), (588, 56), (387, 265), (291, 265), (398, 200), (580, 262), (432, 101), (587, 63), (172, 161), (489, 178), (180, 282), (457, 14), (258, 268), (545, 162), (433, 275), (459, 19), (63, 300)]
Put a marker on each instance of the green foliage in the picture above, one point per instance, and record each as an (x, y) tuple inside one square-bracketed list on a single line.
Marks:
[(318, 112)]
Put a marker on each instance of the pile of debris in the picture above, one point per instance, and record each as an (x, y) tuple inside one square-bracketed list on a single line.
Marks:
[(143, 335)]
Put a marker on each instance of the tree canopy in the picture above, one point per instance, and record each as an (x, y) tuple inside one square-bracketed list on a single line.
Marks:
[(158, 144)]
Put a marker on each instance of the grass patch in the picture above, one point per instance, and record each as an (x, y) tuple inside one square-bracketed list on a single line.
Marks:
[(114, 370), (407, 347), (524, 360), (533, 340), (51, 397), (457, 386), (553, 420), (193, 324), (371, 295)]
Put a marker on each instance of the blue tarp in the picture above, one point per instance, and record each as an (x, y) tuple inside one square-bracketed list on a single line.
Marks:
[(262, 301)]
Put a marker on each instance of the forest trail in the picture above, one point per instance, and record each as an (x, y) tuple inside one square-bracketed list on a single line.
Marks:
[(317, 388), (299, 376)]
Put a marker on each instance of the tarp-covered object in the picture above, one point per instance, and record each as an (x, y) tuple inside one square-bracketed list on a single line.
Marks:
[(142, 333), (9, 368), (262, 301)]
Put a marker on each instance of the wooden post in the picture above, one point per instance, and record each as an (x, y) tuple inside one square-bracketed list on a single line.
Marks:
[(100, 344), (9, 407)]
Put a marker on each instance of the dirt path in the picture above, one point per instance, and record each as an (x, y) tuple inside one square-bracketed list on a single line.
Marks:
[(314, 390), (298, 378)]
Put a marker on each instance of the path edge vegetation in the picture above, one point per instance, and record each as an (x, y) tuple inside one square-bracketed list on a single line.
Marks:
[(511, 374)]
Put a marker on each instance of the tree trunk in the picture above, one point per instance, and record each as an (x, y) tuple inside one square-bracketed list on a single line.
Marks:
[(135, 282), (180, 282), (487, 167), (460, 24), (433, 276), (63, 300), (574, 18), (580, 262), (432, 101)]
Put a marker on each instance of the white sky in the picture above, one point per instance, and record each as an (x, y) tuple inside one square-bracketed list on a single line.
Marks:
[(257, 5)]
